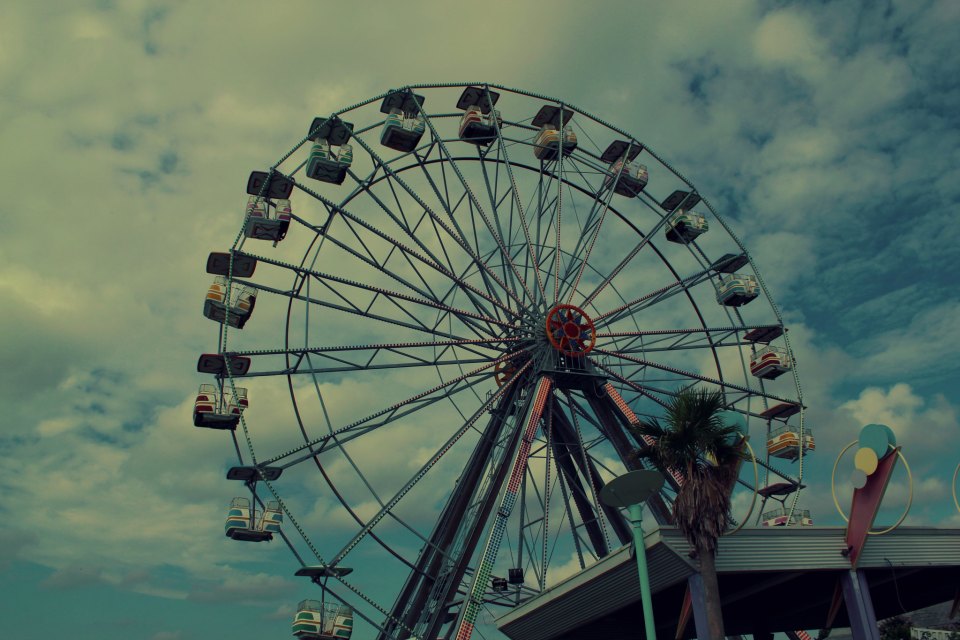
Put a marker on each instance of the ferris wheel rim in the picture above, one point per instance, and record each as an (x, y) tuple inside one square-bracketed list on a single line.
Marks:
[(664, 260)]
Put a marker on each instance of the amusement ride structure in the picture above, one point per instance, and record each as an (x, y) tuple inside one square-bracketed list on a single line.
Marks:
[(451, 302)]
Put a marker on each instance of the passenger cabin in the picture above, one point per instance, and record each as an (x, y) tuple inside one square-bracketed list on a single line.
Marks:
[(404, 124), (685, 226), (215, 409), (770, 362), (555, 136), (737, 289), (480, 119), (244, 525), (779, 518), (330, 155), (235, 311), (627, 177), (317, 620), (784, 442), (261, 224)]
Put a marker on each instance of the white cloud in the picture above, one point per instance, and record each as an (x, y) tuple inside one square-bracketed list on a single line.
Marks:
[(917, 423)]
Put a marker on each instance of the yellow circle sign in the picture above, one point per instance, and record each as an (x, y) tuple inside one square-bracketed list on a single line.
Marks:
[(866, 460)]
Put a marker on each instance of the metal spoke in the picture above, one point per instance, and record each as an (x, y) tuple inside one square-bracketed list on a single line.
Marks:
[(323, 440), (426, 467), (457, 237)]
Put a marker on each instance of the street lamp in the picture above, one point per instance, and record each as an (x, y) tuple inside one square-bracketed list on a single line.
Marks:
[(631, 490)]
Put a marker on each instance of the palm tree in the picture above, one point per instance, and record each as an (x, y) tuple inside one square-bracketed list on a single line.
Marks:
[(704, 447)]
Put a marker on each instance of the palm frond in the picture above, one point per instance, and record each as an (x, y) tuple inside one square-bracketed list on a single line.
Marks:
[(692, 433)]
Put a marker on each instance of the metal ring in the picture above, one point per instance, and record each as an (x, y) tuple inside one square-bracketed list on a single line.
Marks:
[(833, 490), (909, 500), (756, 481)]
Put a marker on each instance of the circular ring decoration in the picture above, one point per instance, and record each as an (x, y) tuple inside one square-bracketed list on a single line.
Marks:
[(570, 331), (756, 483), (836, 503)]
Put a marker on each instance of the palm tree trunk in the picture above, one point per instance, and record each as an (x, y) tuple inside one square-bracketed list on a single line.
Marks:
[(711, 594)]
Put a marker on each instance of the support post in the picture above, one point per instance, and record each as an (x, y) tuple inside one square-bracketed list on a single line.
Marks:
[(640, 550), (856, 595), (699, 602)]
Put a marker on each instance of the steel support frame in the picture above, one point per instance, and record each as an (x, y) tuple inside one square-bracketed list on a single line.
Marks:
[(567, 447), (615, 425), (409, 607)]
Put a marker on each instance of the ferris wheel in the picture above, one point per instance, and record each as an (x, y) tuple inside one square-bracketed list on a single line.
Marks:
[(443, 310)]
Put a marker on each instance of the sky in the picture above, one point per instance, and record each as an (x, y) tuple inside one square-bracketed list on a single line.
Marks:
[(826, 134)]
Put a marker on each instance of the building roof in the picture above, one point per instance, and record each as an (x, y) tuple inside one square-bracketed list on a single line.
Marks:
[(773, 579)]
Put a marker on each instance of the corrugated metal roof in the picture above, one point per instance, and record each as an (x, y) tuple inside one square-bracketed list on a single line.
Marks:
[(913, 546), (612, 583), (774, 549), (598, 590)]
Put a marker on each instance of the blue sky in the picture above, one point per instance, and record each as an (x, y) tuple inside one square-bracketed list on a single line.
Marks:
[(826, 134)]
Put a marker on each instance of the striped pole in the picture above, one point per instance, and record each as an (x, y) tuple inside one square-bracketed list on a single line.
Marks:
[(632, 418), (482, 575)]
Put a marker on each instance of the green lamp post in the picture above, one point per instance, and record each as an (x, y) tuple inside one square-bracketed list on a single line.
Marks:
[(631, 490)]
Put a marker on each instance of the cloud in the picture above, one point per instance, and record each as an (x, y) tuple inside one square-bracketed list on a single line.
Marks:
[(243, 589), (918, 424), (13, 543), (73, 578)]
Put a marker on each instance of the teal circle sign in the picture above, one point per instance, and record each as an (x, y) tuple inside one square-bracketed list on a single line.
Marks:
[(878, 437)]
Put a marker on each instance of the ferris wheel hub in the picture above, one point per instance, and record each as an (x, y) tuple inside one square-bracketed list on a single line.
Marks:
[(570, 330)]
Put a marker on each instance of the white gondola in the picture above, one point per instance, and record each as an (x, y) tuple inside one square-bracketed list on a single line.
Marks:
[(478, 127), (737, 289), (237, 310), (330, 156), (328, 164), (781, 517), (480, 119), (243, 524), (686, 226), (632, 179), (784, 442), (317, 620), (770, 362), (404, 125), (550, 140), (214, 409), (261, 224), (402, 131)]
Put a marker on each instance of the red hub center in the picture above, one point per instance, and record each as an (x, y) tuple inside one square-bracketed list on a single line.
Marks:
[(570, 331)]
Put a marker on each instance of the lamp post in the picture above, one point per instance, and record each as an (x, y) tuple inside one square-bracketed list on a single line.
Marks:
[(631, 490)]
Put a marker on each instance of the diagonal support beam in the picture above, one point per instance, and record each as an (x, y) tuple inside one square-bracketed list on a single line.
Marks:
[(482, 575), (409, 605)]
